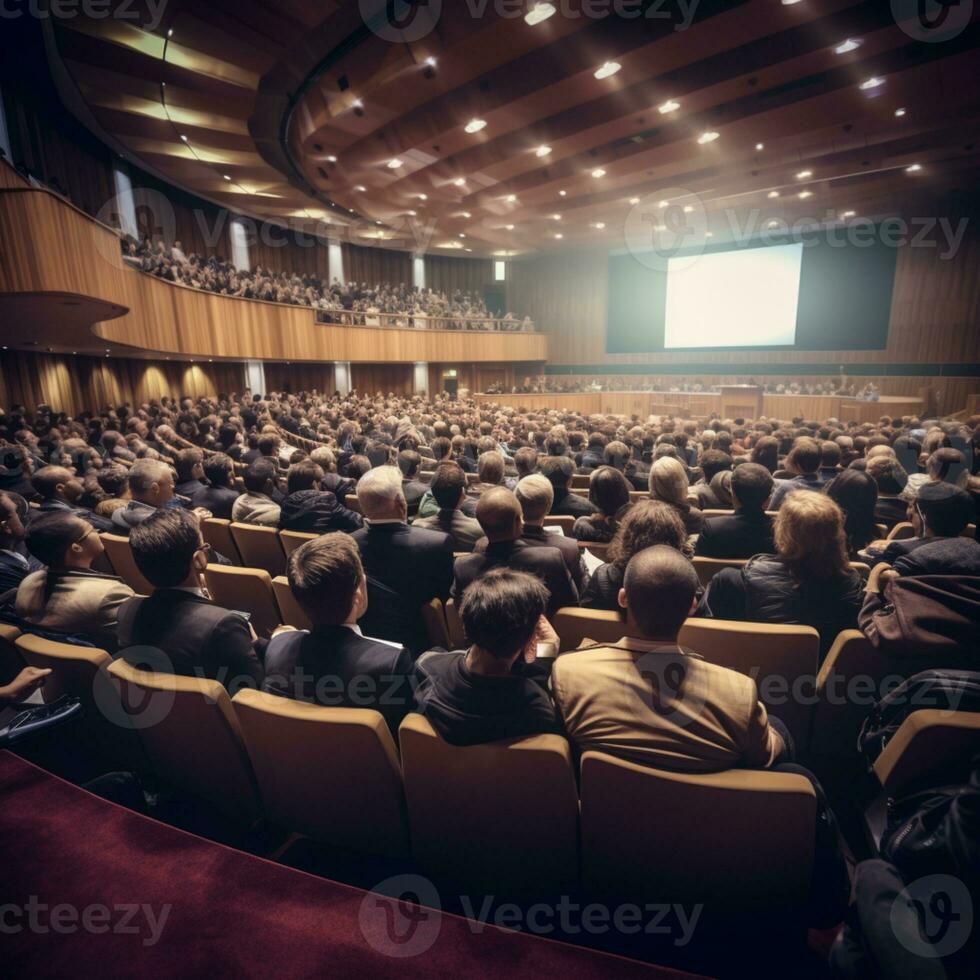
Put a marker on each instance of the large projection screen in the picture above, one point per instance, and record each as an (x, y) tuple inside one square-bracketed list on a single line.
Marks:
[(742, 298)]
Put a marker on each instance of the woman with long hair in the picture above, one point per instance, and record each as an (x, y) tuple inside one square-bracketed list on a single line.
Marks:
[(668, 484), (610, 494), (856, 494)]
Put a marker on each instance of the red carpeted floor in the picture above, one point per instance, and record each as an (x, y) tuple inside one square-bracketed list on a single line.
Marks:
[(90, 889)]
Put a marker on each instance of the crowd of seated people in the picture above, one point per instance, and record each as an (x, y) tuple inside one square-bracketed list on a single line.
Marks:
[(413, 500), (554, 384), (336, 302)]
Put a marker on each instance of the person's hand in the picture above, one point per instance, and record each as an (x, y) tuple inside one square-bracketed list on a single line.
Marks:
[(203, 514), (24, 684), (544, 632)]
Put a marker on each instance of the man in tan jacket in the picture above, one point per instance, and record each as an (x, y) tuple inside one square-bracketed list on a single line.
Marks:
[(648, 701)]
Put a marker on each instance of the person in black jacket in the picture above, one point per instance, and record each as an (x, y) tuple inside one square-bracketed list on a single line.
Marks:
[(189, 465), (309, 509), (559, 470), (748, 531), (218, 497), (335, 664), (16, 563), (410, 462), (58, 489), (178, 630)]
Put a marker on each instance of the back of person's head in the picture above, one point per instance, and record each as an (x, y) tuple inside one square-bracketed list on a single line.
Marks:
[(114, 480), (357, 467), (305, 475), (608, 490), (944, 509), (380, 494), (947, 464), (500, 611), (809, 533), (721, 487), (647, 522), (260, 476), (145, 474), (164, 546), (766, 453), (558, 470), (535, 494), (50, 536), (856, 494), (668, 481), (448, 485), (616, 454), (526, 461), (751, 486), (714, 461), (268, 444), (441, 447), (409, 462), (48, 480), (218, 469), (660, 587), (490, 467), (499, 515), (805, 456), (830, 454), (325, 459), (186, 461), (888, 473), (324, 576)]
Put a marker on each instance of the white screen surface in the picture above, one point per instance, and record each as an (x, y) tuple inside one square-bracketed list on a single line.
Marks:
[(743, 298)]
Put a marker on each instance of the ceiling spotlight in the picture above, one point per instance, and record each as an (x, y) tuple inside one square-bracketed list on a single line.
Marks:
[(805, 194), (708, 137), (599, 172), (377, 222), (599, 225), (634, 200), (511, 198), (542, 151), (539, 12), (848, 214), (559, 235), (183, 137), (460, 182), (556, 217), (871, 83), (360, 188), (170, 33), (411, 214), (671, 105), (899, 113), (803, 174), (607, 69), (394, 164), (846, 47), (773, 194), (509, 227), (914, 169), (760, 146), (663, 204), (461, 235), (562, 193), (772, 224), (475, 125), (709, 234), (331, 159), (226, 177), (430, 61), (357, 104), (422, 197), (465, 214), (688, 208), (790, 3)]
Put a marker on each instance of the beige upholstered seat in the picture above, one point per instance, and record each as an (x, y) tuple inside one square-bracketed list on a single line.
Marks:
[(217, 532), (291, 540), (246, 590), (563, 521), (327, 773), (646, 835), (11, 660), (192, 738), (352, 503), (573, 625), (901, 531), (434, 616), (123, 564), (454, 627), (717, 513), (259, 547), (707, 568), (292, 612), (502, 816), (597, 548)]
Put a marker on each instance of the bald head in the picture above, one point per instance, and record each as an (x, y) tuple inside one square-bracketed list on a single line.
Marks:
[(499, 515), (659, 589)]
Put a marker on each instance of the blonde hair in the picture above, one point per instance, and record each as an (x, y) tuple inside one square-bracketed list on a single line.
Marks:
[(668, 482), (809, 533)]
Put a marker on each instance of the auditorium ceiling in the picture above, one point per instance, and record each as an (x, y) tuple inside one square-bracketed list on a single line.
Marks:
[(485, 127)]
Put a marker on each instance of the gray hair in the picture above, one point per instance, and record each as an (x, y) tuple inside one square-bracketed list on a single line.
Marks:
[(535, 495), (379, 492), (144, 473)]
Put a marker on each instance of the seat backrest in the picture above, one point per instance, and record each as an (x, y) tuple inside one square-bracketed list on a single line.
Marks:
[(291, 540), (565, 522), (259, 547), (717, 513), (454, 626), (636, 495), (327, 773), (75, 670), (245, 590), (191, 736), (11, 660), (580, 481), (472, 810), (292, 612), (597, 548), (573, 625), (434, 616), (902, 531), (217, 532), (707, 568), (124, 565), (762, 858), (352, 503)]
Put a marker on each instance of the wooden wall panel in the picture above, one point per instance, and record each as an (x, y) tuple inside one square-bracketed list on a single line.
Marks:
[(299, 377), (375, 265), (447, 274), (372, 378), (287, 251)]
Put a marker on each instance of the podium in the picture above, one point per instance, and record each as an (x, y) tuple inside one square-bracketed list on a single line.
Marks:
[(741, 401)]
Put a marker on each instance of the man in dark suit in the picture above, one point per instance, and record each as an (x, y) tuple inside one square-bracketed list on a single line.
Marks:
[(189, 465), (748, 531), (410, 462), (58, 489), (16, 563), (335, 664), (178, 630), (218, 497), (499, 515), (559, 470), (406, 567), (310, 509)]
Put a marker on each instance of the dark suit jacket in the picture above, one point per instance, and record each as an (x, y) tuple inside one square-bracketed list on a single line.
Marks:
[(60, 507), (740, 536), (334, 666), (414, 491), (570, 504), (891, 510), (196, 637), (546, 563), (13, 571), (218, 500), (568, 547), (190, 487), (942, 556)]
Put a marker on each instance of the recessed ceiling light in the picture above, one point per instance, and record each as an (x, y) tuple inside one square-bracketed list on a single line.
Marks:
[(422, 197), (899, 113), (871, 83), (708, 137), (598, 172), (790, 3), (688, 208), (914, 168), (183, 137), (773, 194), (562, 193), (805, 194), (475, 125), (772, 224), (411, 214), (509, 227), (467, 250), (607, 69), (394, 164), (170, 32), (803, 174), (539, 12), (465, 214), (760, 146), (542, 151), (709, 234), (360, 188), (846, 47), (559, 235), (377, 222), (357, 104), (849, 214), (511, 198), (460, 181), (226, 177), (461, 235), (331, 159), (663, 204), (634, 200), (556, 217), (430, 61), (671, 105)]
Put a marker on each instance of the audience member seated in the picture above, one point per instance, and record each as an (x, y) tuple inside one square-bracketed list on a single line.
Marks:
[(405, 566), (58, 489), (890, 478), (326, 459), (765, 452), (410, 462), (490, 469), (559, 470), (668, 484), (449, 492), (335, 664), (218, 497), (804, 462), (830, 460), (151, 484), (68, 597), (499, 515), (713, 462), (481, 694), (609, 493), (748, 531), (189, 465), (257, 504), (856, 494), (16, 470), (807, 582), (649, 701), (114, 483), (178, 629), (15, 561), (307, 508)]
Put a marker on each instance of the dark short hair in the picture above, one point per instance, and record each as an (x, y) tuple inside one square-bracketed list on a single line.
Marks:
[(805, 455), (113, 480), (660, 586), (526, 460), (752, 485), (185, 461), (440, 447), (558, 469), (447, 485), (945, 509), (608, 490), (268, 444), (49, 537), (409, 462), (830, 454), (46, 480), (164, 546), (217, 469), (714, 461), (501, 609), (258, 475), (304, 475), (324, 575)]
